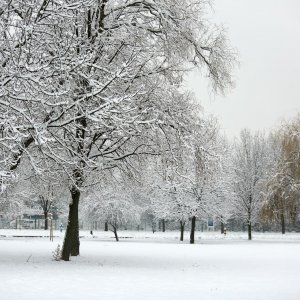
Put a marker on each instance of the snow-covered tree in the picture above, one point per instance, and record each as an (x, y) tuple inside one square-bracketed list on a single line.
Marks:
[(291, 151), (86, 82), (114, 205), (171, 204), (189, 185), (282, 194), (12, 203), (250, 170), (204, 182), (46, 193)]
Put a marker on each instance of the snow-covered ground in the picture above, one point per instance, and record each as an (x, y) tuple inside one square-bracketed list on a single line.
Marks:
[(146, 266)]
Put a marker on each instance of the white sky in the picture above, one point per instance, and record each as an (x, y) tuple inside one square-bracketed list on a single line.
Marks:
[(266, 34)]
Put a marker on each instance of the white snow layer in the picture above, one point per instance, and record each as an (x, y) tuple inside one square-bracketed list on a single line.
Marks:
[(144, 266)]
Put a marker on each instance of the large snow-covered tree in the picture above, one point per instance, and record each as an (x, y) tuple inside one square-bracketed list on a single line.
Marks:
[(86, 82)]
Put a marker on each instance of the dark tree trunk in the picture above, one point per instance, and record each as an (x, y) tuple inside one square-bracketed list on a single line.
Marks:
[(222, 225), (46, 220), (106, 226), (163, 225), (181, 230), (116, 234), (153, 227), (193, 226), (249, 218), (71, 242), (282, 219), (249, 231)]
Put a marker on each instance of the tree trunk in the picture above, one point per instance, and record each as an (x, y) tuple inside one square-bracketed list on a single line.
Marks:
[(282, 223), (163, 225), (116, 234), (222, 225), (181, 230), (106, 226), (153, 227), (249, 231), (46, 220), (249, 219), (71, 241), (193, 226)]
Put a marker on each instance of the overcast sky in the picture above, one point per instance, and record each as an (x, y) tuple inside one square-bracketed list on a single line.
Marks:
[(266, 34)]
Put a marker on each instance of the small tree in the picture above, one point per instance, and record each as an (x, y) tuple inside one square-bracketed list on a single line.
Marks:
[(45, 189), (115, 206), (250, 169)]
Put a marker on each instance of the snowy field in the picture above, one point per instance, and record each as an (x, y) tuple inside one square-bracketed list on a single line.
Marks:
[(144, 266)]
